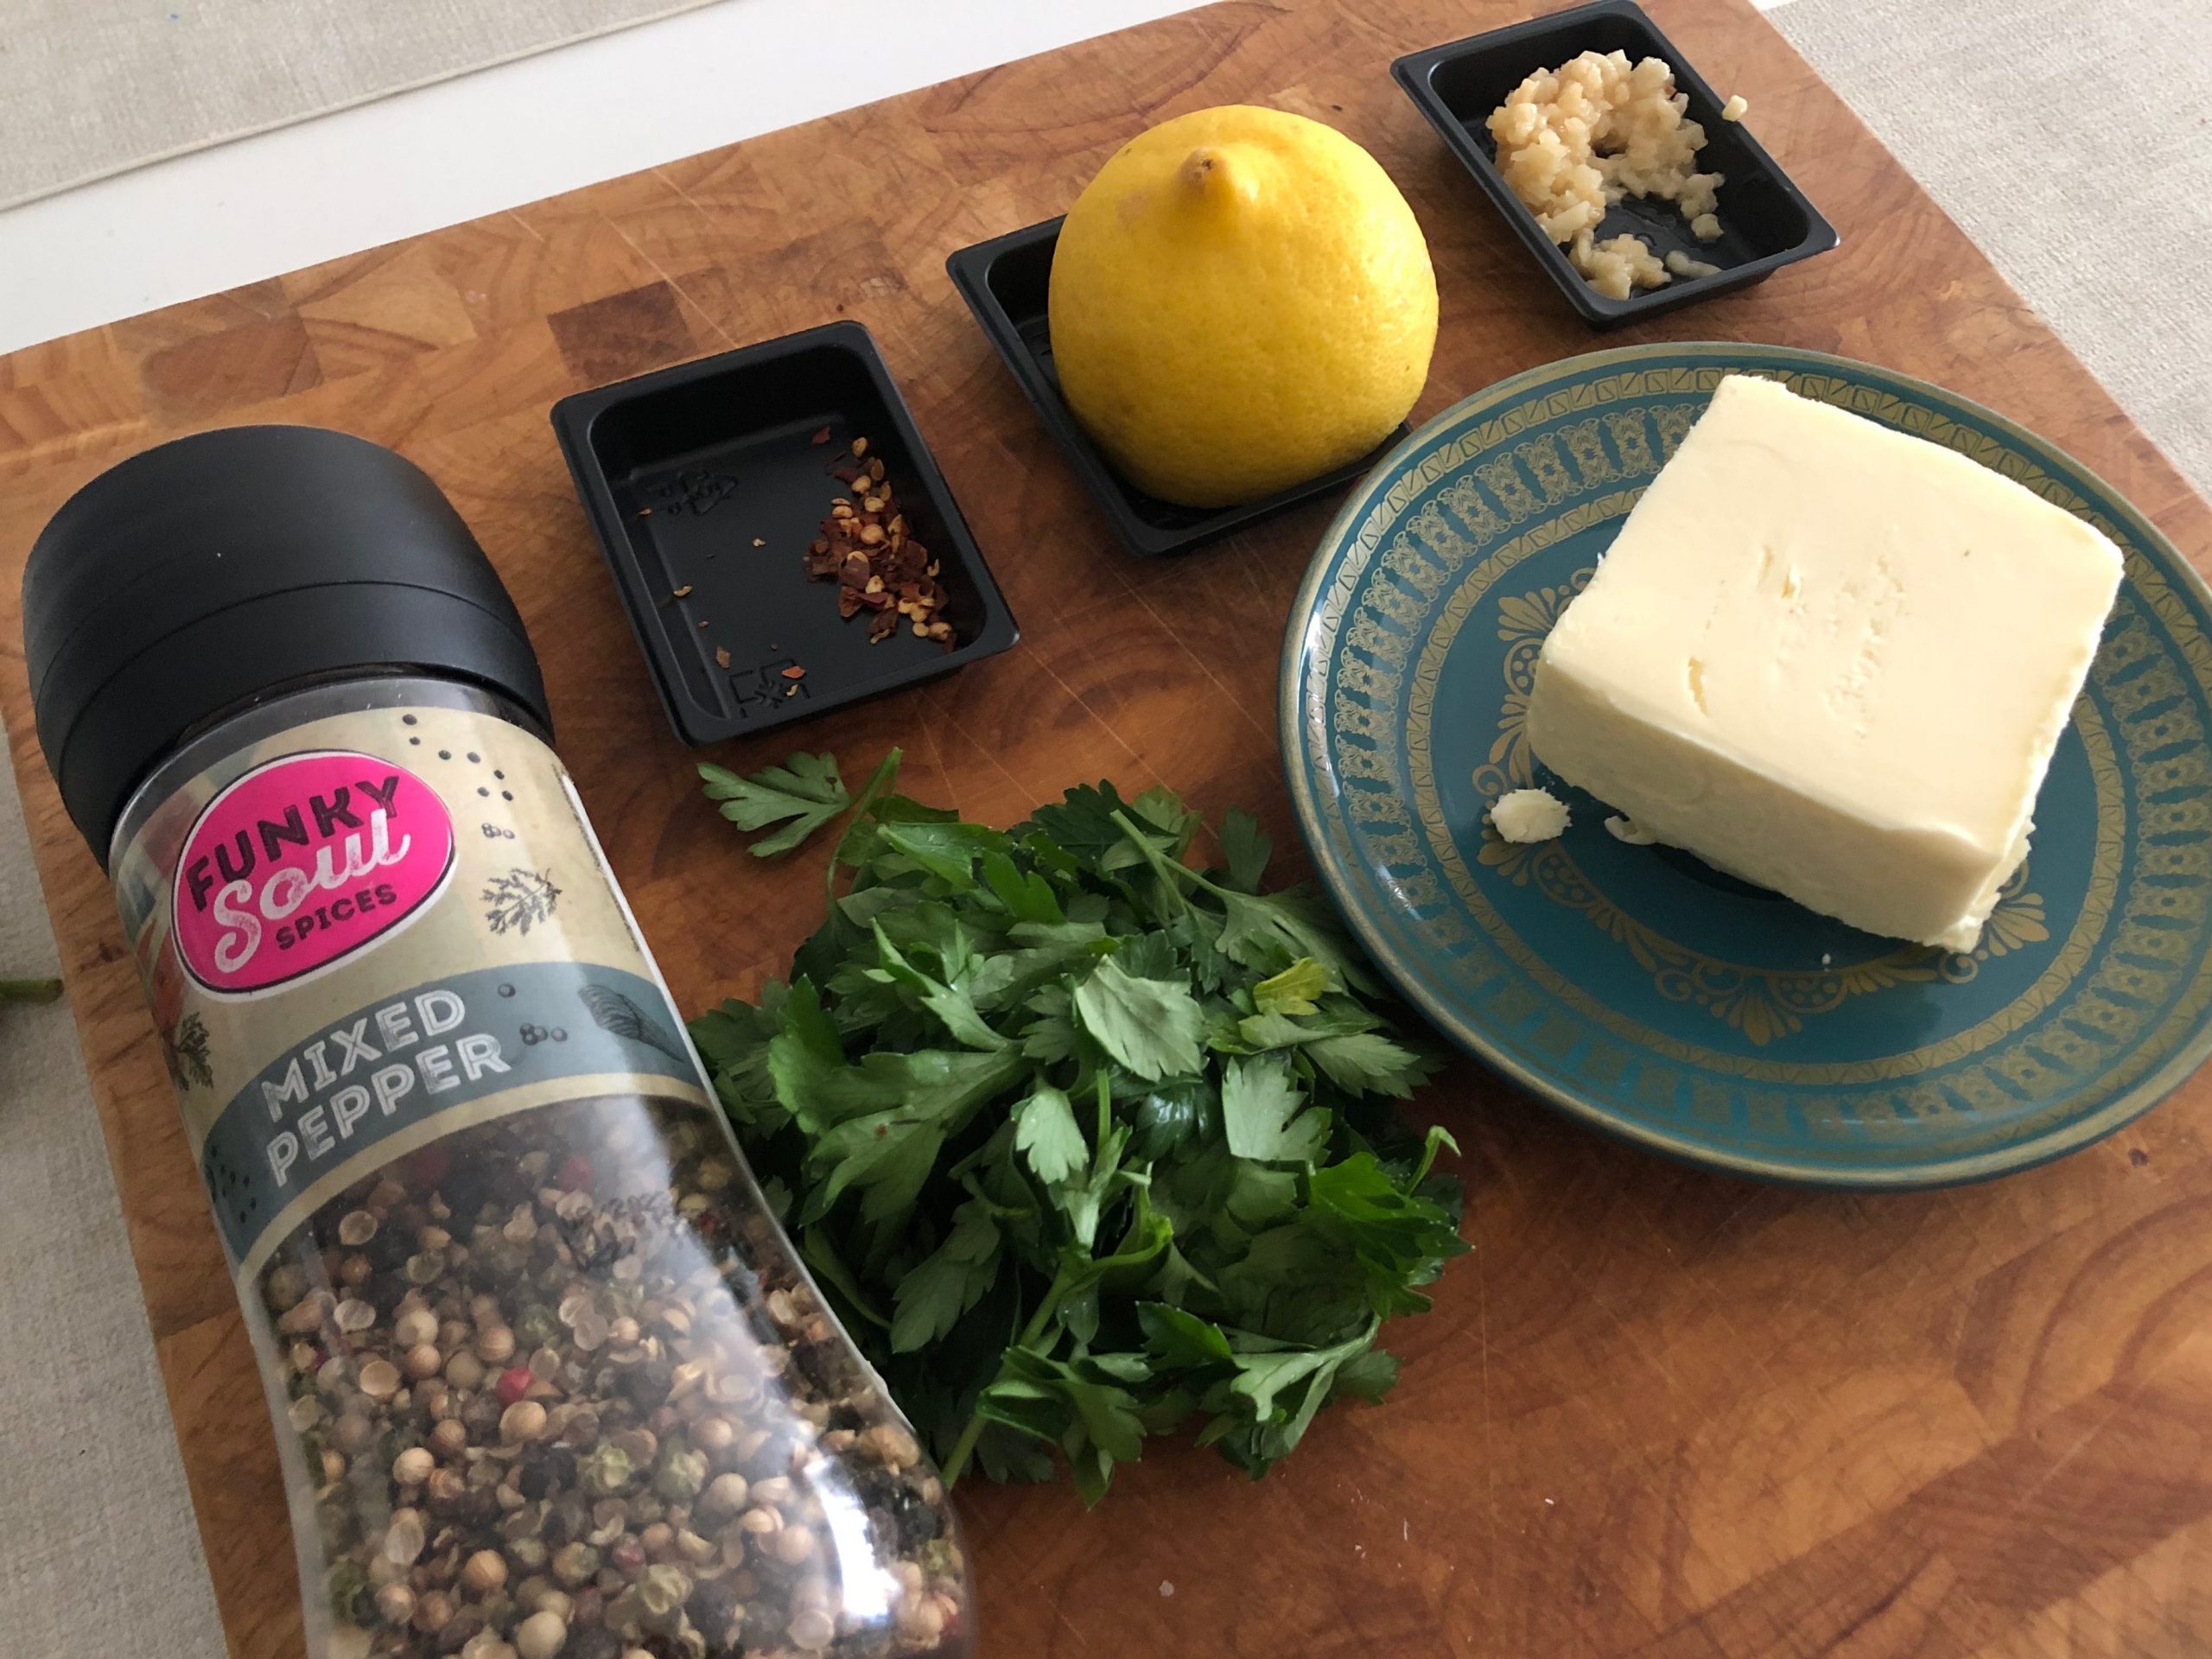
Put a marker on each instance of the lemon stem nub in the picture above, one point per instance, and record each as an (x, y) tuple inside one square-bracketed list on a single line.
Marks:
[(1203, 171)]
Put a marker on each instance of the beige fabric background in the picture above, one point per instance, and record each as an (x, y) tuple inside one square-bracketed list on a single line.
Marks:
[(90, 88), (2041, 139), (98, 1556), (2073, 140)]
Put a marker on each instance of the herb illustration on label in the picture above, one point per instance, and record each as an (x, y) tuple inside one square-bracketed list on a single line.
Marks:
[(185, 1050), (613, 1012), (520, 899), (303, 862)]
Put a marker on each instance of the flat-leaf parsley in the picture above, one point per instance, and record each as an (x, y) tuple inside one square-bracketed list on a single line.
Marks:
[(1086, 1144)]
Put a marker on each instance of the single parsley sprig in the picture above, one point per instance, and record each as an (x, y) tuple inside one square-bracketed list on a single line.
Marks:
[(806, 790), (1088, 1143)]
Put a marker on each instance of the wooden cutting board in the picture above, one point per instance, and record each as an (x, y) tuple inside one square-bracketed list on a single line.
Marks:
[(1655, 1412)]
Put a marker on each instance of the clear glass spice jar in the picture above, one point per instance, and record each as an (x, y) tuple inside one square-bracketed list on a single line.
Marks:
[(546, 1378)]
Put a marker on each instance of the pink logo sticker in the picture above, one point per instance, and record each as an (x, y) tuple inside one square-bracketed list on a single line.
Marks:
[(303, 862)]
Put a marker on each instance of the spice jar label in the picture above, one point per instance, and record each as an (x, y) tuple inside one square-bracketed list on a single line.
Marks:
[(423, 1063), (363, 932), (302, 862)]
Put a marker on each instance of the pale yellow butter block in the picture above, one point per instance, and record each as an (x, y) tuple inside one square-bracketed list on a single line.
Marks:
[(1831, 659)]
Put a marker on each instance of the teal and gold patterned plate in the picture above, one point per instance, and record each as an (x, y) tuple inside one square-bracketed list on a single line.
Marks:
[(1649, 994)]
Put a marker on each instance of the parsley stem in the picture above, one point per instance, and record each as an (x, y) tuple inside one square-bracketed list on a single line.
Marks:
[(857, 830), (1168, 868), (1438, 1136), (1062, 1282), (961, 1448)]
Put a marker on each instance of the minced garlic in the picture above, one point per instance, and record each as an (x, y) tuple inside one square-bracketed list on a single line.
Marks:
[(1528, 815), (1575, 140)]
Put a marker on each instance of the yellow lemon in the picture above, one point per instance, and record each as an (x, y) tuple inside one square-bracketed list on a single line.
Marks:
[(1240, 299)]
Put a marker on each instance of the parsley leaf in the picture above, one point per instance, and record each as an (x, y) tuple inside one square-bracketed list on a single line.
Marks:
[(1366, 1062), (947, 851), (1050, 1036), (1246, 846), (1080, 1404), (1085, 1196), (1173, 1114), (734, 1041), (1293, 990), (805, 789), (948, 1282), (1081, 825), (1182, 1338), (878, 1125), (1027, 896), (1273, 1397), (952, 1005), (1153, 1026), (1400, 1239), (1272, 1030), (1044, 1129), (1163, 808), (1266, 1117), (1275, 932)]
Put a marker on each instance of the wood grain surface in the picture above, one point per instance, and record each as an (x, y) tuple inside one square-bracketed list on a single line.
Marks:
[(1655, 1412)]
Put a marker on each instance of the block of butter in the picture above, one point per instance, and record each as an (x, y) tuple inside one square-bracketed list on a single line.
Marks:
[(1829, 659)]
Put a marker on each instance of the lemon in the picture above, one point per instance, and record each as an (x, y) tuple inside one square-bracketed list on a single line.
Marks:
[(1240, 299)]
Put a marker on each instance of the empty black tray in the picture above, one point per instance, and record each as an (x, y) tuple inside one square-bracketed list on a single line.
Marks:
[(683, 470), (1005, 281), (1766, 221)]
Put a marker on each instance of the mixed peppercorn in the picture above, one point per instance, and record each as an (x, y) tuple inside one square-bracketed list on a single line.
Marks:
[(560, 1391)]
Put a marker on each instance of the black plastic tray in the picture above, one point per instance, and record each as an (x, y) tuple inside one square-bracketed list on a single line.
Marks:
[(1766, 220), (682, 469), (1005, 281)]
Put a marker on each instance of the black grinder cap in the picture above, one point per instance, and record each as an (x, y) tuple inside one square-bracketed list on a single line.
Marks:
[(198, 575)]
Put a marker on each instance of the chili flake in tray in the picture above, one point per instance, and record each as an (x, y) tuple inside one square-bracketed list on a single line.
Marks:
[(865, 548)]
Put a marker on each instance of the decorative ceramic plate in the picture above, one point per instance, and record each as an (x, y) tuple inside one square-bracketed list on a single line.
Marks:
[(1641, 990)]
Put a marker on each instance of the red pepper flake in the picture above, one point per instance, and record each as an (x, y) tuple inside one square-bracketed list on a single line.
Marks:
[(822, 436), (721, 657), (794, 672), (865, 548)]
